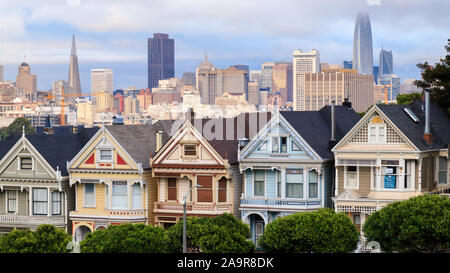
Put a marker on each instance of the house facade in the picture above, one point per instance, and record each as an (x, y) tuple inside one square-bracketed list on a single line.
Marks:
[(288, 166), (110, 176), (203, 153), (34, 182), (389, 156)]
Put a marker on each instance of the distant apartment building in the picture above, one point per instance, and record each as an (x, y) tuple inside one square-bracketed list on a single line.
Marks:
[(161, 58), (231, 99), (26, 82), (266, 75), (214, 82), (188, 78), (144, 99), (85, 112), (104, 101), (393, 82), (347, 64), (130, 106), (102, 80), (321, 89), (202, 67), (253, 92), (303, 62), (58, 86), (118, 103), (282, 80), (8, 91), (255, 76)]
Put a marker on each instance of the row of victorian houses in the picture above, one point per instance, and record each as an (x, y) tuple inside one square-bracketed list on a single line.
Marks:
[(257, 166)]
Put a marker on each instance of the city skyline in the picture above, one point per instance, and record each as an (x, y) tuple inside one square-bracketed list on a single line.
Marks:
[(45, 38)]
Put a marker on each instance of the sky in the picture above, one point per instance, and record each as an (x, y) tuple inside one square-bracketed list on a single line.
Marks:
[(113, 34)]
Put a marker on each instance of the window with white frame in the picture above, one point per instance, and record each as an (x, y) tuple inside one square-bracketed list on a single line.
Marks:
[(89, 195), (40, 200), (105, 154), (351, 180), (56, 203), (275, 145), (407, 178), (119, 195), (313, 184), (279, 144), (377, 133), (442, 171), (294, 183), (137, 194), (12, 201), (259, 181), (190, 149)]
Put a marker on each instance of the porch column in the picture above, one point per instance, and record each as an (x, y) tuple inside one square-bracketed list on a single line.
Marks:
[(30, 201), (283, 182), (49, 202)]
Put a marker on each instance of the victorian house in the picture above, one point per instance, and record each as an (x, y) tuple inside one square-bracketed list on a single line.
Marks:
[(111, 176), (199, 162), (393, 153), (288, 165), (34, 181)]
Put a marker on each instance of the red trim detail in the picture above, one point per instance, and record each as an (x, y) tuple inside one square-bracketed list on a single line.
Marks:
[(120, 160), (91, 159)]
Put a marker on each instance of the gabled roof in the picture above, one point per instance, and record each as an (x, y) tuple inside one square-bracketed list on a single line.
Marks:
[(315, 126), (245, 125), (56, 149), (139, 141), (439, 124)]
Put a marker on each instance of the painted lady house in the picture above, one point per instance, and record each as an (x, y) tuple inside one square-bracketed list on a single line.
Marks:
[(288, 165), (34, 181), (393, 153), (110, 175), (202, 152)]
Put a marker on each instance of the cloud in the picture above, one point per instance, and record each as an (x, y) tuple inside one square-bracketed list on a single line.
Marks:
[(374, 2)]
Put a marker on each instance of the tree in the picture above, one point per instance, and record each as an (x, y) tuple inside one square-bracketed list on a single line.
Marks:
[(406, 99), (46, 239), (436, 79), (220, 234), (319, 231), (18, 241), (16, 127), (51, 239), (126, 238), (419, 224)]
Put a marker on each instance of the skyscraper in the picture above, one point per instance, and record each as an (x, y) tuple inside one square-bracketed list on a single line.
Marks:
[(1, 73), (74, 86), (26, 82), (266, 69), (101, 81), (304, 62), (362, 45), (386, 62), (161, 59)]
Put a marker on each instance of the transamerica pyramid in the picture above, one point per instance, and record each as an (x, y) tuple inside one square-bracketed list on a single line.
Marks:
[(74, 73)]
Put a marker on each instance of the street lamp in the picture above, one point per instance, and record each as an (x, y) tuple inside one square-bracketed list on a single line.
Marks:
[(184, 216)]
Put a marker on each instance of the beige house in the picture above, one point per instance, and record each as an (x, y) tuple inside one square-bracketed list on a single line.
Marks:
[(389, 156)]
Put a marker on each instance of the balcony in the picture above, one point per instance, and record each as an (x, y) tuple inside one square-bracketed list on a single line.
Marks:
[(191, 208), (280, 203), (31, 220)]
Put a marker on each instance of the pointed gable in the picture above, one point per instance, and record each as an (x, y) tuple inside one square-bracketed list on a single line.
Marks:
[(375, 129)]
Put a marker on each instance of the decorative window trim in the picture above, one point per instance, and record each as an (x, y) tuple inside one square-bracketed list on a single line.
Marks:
[(184, 150), (265, 183), (100, 154), (16, 201)]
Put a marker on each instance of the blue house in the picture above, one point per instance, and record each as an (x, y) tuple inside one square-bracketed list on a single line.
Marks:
[(288, 166)]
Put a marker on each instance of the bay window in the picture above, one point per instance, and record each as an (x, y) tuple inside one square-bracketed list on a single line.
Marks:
[(89, 195), (56, 203), (205, 192), (137, 204), (313, 184), (222, 192), (12, 199), (351, 180)]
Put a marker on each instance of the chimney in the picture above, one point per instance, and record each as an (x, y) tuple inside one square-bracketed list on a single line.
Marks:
[(427, 133), (158, 140), (347, 103), (332, 142)]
